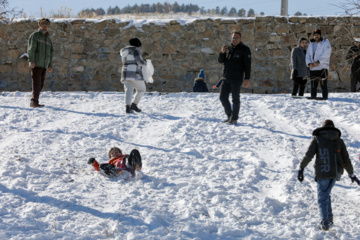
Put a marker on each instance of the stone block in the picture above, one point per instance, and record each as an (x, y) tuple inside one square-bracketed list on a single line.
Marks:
[(289, 39), (23, 67), (275, 53), (274, 39)]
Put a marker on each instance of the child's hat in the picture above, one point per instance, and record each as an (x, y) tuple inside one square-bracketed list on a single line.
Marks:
[(201, 74)]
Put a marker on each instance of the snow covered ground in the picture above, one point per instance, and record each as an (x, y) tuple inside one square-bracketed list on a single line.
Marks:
[(201, 178)]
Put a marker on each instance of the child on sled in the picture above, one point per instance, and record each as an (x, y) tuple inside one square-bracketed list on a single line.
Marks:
[(118, 163)]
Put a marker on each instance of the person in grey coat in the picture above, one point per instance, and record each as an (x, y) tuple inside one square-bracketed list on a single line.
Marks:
[(299, 70), (131, 74), (331, 159)]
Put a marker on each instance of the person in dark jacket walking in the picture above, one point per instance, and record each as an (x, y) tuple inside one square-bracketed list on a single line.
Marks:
[(331, 159), (237, 62), (299, 71), (200, 84), (40, 51), (353, 56)]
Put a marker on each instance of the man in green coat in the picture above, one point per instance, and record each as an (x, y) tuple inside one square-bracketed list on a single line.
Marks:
[(40, 51)]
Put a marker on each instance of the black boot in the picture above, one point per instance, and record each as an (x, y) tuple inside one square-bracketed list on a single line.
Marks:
[(128, 109), (134, 159), (227, 120), (35, 103), (135, 108), (232, 122)]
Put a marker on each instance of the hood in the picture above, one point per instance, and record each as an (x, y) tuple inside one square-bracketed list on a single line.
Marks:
[(127, 50), (199, 80), (327, 132)]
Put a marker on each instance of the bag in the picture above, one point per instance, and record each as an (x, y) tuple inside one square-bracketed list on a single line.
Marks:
[(148, 71)]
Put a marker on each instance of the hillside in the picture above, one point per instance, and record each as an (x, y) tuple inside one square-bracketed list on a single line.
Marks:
[(201, 179)]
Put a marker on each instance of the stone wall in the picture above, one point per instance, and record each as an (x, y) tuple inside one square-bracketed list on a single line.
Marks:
[(87, 57)]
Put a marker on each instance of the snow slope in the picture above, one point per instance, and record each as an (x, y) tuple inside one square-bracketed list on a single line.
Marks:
[(201, 178)]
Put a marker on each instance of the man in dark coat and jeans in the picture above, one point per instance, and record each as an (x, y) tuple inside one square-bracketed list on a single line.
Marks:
[(331, 159), (40, 51), (353, 56), (237, 62)]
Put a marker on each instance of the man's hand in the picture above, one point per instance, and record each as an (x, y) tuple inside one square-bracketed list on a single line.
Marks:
[(312, 65), (32, 64), (224, 49), (49, 69), (246, 83)]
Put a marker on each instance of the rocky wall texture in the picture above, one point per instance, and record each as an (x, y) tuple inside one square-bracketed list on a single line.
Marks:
[(86, 56)]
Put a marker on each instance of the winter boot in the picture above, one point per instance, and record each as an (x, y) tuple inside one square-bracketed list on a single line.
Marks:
[(232, 122), (135, 108), (35, 103), (227, 120), (135, 159), (128, 109), (324, 225)]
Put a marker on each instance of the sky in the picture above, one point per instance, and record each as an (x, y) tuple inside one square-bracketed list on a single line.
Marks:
[(269, 7)]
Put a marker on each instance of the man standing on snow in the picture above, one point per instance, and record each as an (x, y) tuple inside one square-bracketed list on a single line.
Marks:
[(318, 60), (40, 51), (237, 62), (331, 159), (354, 58), (131, 74)]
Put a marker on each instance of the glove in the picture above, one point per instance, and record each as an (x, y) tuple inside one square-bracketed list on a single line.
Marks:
[(300, 176), (91, 160), (295, 73), (214, 87), (354, 179)]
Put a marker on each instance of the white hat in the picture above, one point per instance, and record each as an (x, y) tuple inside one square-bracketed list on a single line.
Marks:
[(357, 39)]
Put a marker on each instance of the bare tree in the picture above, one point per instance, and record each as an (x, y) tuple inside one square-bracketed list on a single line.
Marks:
[(6, 16), (351, 7)]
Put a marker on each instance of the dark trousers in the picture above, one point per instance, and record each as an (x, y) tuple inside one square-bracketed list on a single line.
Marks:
[(38, 78), (355, 78), (231, 86), (316, 77), (299, 84)]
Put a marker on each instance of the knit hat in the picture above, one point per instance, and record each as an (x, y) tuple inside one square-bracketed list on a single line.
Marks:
[(44, 21), (328, 123), (135, 42), (318, 31), (201, 74)]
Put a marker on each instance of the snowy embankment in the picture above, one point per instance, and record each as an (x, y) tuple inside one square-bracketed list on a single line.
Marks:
[(201, 179)]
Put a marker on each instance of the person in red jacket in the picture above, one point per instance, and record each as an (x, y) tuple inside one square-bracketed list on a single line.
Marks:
[(118, 162)]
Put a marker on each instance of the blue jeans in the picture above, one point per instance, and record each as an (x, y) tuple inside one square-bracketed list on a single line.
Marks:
[(324, 187)]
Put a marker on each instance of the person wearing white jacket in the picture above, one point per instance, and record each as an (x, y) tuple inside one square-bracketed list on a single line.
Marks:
[(318, 60)]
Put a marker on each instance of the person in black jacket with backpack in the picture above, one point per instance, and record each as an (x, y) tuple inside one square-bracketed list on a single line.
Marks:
[(237, 63), (353, 56), (331, 159)]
